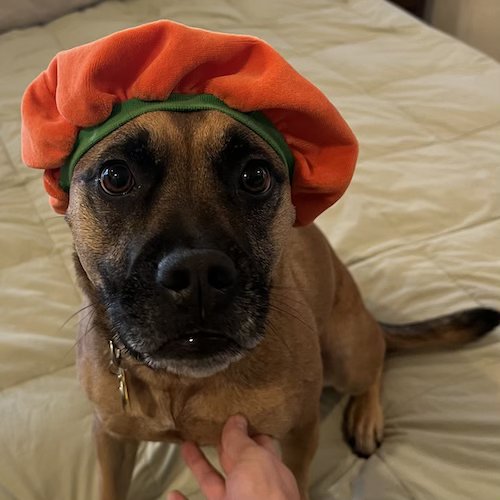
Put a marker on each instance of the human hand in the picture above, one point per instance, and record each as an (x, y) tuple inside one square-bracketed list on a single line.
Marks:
[(253, 468)]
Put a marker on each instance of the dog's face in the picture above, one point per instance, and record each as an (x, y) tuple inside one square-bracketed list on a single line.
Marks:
[(178, 222)]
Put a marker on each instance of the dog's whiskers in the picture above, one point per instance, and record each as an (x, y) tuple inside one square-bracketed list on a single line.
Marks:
[(293, 288), (72, 316), (286, 298), (275, 331), (90, 326), (279, 308)]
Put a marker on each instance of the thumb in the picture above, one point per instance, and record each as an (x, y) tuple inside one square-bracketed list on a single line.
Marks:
[(235, 434), (234, 441), (176, 495)]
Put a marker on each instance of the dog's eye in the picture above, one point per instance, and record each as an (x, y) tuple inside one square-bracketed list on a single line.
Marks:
[(116, 178), (255, 177)]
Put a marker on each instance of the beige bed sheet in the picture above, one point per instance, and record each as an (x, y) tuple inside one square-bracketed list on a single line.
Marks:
[(419, 229)]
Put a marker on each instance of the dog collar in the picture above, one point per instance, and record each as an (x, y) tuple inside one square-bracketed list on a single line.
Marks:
[(127, 110)]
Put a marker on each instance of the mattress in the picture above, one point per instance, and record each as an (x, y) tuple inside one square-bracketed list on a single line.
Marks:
[(419, 229)]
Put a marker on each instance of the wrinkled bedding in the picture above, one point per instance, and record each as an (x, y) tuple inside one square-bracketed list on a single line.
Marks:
[(419, 229)]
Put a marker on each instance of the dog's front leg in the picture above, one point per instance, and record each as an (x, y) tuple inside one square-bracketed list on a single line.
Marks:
[(116, 458), (298, 448)]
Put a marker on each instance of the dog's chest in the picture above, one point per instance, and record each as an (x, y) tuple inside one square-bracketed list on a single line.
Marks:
[(195, 413)]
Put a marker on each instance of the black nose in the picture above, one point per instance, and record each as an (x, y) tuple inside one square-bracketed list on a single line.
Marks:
[(204, 278)]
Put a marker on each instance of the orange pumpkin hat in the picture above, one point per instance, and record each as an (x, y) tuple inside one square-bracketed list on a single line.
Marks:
[(75, 102)]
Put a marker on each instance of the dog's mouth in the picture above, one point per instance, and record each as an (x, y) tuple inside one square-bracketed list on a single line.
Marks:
[(198, 344)]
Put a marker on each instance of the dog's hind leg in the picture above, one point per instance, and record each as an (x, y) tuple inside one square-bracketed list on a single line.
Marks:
[(364, 420), (353, 350), (116, 459)]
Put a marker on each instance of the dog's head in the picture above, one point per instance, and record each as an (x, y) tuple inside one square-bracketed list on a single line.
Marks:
[(178, 221)]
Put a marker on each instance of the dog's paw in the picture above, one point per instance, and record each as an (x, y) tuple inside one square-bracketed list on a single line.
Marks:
[(364, 424)]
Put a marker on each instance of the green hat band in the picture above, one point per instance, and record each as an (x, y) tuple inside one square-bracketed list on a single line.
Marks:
[(126, 111)]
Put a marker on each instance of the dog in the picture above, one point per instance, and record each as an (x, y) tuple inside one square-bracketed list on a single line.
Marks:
[(202, 300)]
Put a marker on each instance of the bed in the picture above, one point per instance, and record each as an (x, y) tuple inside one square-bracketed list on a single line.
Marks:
[(419, 229)]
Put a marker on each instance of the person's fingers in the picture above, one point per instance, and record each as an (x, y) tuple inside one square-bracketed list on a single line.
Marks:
[(268, 443), (235, 435), (211, 482), (235, 443), (176, 495)]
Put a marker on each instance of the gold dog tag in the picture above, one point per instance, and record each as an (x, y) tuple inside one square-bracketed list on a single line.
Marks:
[(122, 387), (116, 369)]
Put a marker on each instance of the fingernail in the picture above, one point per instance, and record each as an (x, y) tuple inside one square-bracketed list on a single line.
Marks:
[(241, 422)]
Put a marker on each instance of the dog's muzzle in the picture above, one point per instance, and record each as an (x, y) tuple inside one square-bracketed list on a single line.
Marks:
[(201, 284), (191, 310)]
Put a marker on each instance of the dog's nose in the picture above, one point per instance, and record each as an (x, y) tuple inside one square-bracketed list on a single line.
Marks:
[(202, 278)]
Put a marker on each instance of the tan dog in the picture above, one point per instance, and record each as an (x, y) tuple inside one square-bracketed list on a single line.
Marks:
[(186, 252)]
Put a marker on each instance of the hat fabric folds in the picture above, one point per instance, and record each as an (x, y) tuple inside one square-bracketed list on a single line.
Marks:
[(82, 85)]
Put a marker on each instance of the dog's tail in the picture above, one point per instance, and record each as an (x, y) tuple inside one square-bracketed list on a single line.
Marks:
[(444, 332)]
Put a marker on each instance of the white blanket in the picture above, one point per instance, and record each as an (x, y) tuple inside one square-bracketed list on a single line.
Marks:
[(419, 229)]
